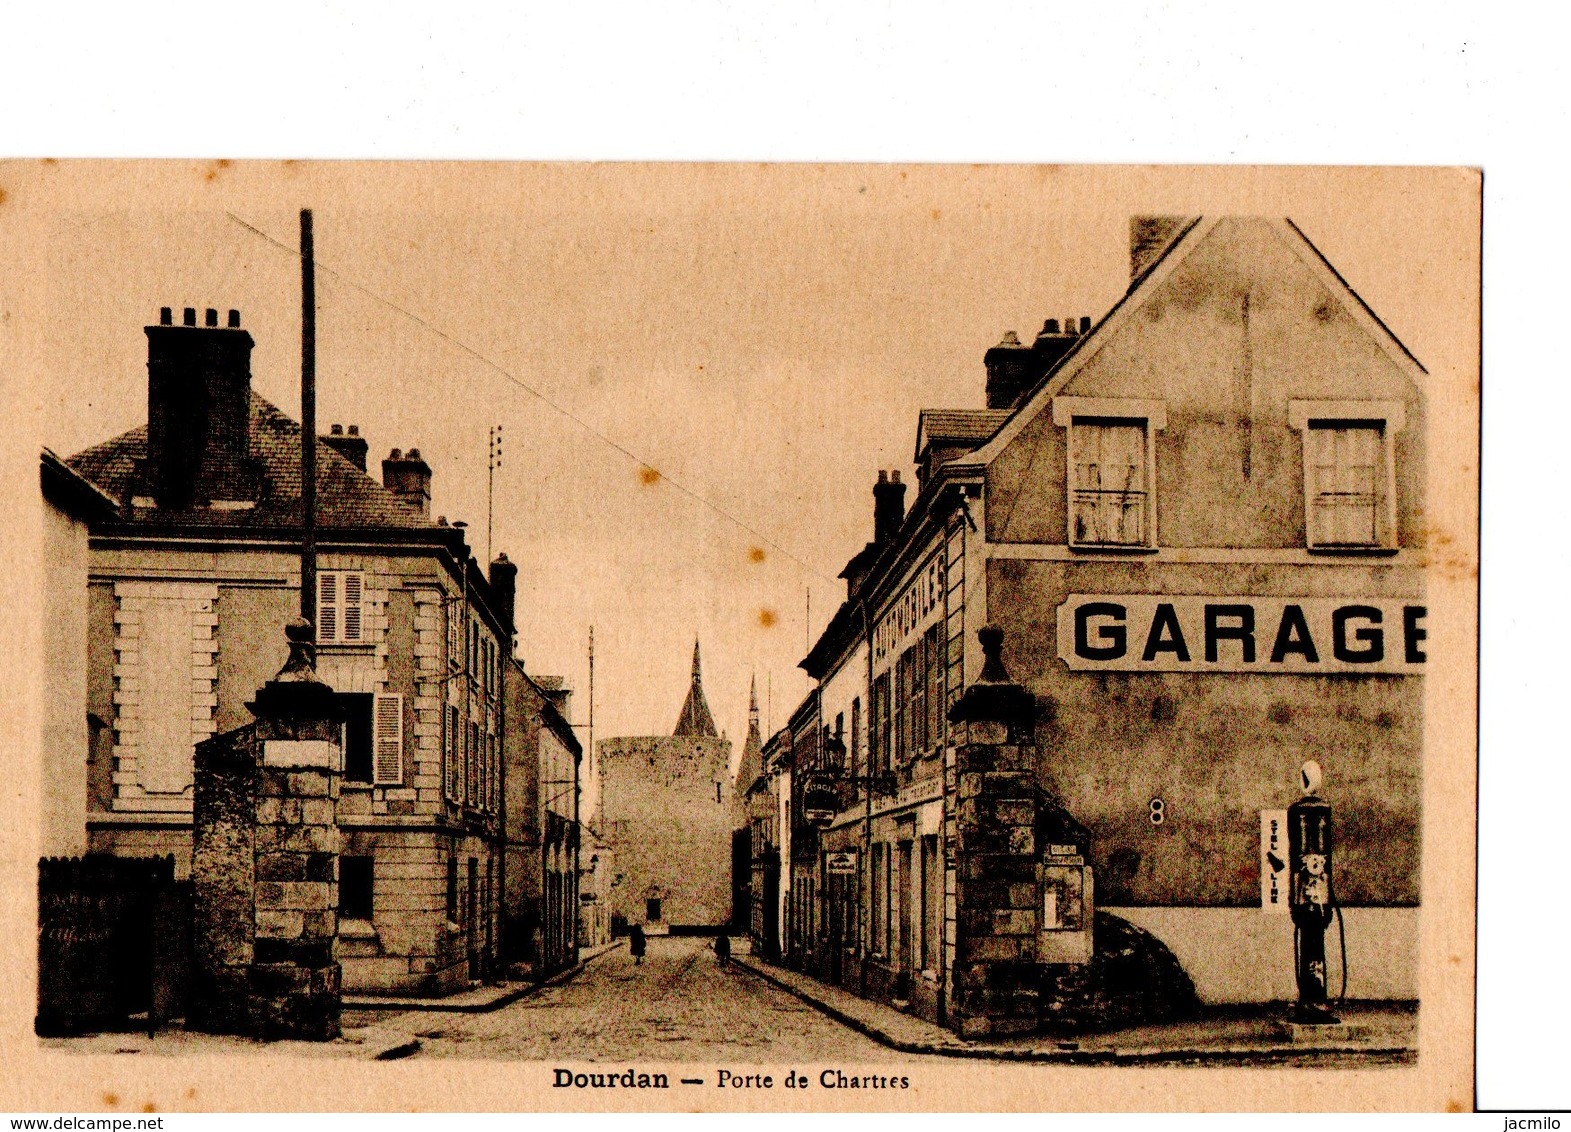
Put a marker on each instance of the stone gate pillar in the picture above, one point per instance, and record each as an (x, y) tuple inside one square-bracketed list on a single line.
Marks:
[(997, 979), (265, 862)]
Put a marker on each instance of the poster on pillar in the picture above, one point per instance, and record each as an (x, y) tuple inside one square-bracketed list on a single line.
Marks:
[(773, 637)]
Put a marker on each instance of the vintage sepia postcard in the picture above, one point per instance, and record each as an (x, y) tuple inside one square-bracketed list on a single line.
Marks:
[(740, 637)]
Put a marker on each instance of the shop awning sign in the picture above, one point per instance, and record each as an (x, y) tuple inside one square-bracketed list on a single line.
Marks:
[(1302, 636)]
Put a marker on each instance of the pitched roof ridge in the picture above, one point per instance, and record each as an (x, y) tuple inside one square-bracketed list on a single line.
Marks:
[(107, 446), (348, 495), (325, 451)]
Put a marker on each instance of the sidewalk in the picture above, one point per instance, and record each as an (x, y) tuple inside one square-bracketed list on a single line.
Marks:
[(480, 1000), (365, 1037), (1374, 1033), (368, 1043)]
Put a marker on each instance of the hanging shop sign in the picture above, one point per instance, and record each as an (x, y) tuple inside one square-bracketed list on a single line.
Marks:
[(841, 863), (820, 800), (1304, 636)]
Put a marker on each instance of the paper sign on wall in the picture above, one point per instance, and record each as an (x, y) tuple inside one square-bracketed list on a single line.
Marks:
[(1273, 862)]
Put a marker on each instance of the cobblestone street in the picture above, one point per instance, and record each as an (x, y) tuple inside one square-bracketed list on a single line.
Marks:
[(679, 1005)]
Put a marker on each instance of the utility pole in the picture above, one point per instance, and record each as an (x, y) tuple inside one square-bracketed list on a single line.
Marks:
[(493, 462), (591, 694), (807, 632), (308, 421)]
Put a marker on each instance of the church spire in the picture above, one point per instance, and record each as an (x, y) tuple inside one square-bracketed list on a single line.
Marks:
[(753, 731), (696, 718)]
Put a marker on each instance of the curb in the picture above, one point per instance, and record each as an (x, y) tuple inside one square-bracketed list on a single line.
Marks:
[(437, 1006), (861, 1026), (1191, 1055)]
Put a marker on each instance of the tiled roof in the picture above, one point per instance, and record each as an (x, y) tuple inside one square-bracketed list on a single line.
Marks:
[(957, 426), (346, 497)]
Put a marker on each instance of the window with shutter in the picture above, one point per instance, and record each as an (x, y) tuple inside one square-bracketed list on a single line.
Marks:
[(358, 733), (483, 756), (1108, 485), (901, 694), (327, 606), (453, 780), (452, 640), (353, 584), (935, 688), (472, 759), (389, 738), (1344, 466), (339, 607)]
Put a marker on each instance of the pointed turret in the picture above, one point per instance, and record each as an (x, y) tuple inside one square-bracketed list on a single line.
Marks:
[(696, 718), (752, 761)]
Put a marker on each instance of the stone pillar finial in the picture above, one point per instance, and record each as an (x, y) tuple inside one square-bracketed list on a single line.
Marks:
[(992, 639), (994, 698), (301, 664), (297, 692)]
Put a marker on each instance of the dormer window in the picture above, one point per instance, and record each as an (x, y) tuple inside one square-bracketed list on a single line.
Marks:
[(1349, 473), (1111, 470)]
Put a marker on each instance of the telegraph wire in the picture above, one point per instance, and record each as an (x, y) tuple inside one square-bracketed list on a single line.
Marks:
[(464, 347)]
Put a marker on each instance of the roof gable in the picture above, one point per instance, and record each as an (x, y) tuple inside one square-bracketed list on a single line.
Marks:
[(1146, 289)]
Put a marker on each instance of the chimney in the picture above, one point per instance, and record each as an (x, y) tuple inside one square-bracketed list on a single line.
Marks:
[(1149, 237), (504, 589), (198, 410), (351, 445), (889, 506), (409, 478), (556, 690), (1052, 344), (1014, 369), (1008, 371)]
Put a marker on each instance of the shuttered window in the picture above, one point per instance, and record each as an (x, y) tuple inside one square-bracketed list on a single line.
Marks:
[(1345, 464), (1108, 487), (472, 771), (935, 689), (388, 739), (339, 607), (454, 782)]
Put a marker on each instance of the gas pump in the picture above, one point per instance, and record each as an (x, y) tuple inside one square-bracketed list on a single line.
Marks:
[(1310, 898)]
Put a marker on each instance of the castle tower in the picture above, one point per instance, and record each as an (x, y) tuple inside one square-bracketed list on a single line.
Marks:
[(670, 801)]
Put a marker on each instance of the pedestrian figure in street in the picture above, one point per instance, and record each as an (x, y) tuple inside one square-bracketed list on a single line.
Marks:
[(636, 943), (723, 948)]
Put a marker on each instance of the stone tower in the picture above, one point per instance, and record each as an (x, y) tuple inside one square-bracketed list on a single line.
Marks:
[(667, 802)]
